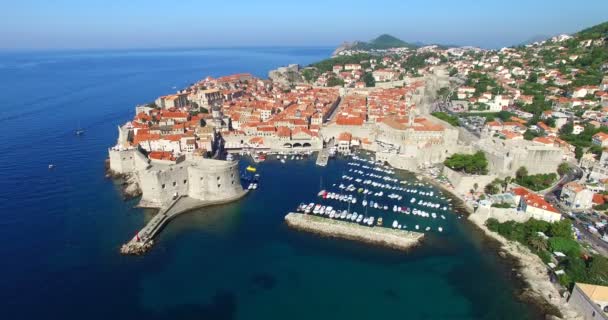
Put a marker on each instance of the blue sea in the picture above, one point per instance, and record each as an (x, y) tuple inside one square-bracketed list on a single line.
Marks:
[(61, 229)]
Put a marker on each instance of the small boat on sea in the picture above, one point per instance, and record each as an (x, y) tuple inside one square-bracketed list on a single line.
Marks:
[(395, 224), (379, 222)]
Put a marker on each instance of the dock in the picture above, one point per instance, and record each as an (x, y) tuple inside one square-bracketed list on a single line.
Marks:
[(144, 239), (387, 237), (323, 155)]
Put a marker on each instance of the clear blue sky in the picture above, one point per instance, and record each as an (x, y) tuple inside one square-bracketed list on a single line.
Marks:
[(44, 24)]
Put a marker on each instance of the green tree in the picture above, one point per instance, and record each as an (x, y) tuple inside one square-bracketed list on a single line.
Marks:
[(491, 188), (530, 135), (335, 82), (578, 152), (521, 173), (537, 243), (562, 229), (369, 80), (472, 164), (563, 168), (598, 270), (310, 74)]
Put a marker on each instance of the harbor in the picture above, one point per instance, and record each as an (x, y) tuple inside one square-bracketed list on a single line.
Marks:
[(392, 238)]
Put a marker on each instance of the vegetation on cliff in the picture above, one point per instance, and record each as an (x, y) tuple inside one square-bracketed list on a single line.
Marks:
[(534, 182), (577, 265)]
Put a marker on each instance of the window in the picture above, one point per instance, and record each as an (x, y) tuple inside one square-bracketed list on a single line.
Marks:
[(185, 181), (232, 181), (218, 185), (218, 178), (201, 178), (163, 186), (174, 183)]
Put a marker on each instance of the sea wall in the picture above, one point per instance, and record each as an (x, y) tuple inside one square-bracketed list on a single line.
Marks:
[(202, 179), (396, 239), (271, 143), (463, 183), (484, 213), (125, 161), (333, 131), (399, 161), (214, 180)]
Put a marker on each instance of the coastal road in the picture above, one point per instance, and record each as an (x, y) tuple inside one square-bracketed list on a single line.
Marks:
[(591, 238), (574, 174), (587, 236)]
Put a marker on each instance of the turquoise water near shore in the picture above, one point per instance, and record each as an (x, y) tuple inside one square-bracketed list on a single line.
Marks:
[(60, 230)]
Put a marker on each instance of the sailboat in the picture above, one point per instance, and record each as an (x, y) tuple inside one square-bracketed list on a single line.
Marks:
[(79, 131)]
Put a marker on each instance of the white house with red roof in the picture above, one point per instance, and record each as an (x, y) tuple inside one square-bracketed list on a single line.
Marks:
[(600, 139), (535, 205), (576, 197)]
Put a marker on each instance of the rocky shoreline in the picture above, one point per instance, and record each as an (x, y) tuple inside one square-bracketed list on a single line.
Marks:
[(395, 239), (537, 287), (129, 184), (533, 271)]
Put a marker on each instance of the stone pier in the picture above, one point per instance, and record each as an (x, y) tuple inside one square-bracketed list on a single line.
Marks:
[(387, 237)]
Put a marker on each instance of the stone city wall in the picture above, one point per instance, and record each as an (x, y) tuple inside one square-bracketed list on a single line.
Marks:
[(484, 213), (463, 183)]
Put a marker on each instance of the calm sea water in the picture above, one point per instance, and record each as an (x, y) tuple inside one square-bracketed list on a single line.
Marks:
[(60, 230)]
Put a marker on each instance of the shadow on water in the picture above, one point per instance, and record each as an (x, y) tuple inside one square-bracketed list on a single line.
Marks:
[(223, 306)]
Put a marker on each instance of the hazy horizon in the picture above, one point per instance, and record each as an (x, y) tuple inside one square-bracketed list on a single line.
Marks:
[(70, 24)]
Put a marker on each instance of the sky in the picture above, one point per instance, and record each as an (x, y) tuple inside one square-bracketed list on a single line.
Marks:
[(110, 24)]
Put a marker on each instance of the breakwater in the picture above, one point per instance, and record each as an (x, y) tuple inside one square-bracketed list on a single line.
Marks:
[(392, 238), (144, 239)]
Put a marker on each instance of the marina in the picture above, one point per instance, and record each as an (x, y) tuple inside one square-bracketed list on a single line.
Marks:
[(365, 196)]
